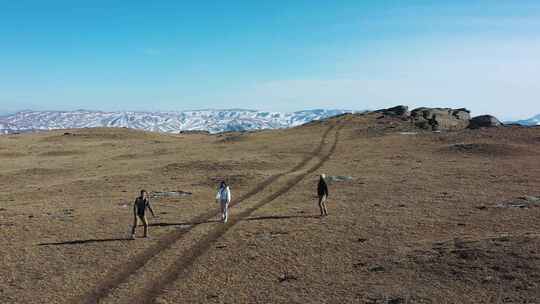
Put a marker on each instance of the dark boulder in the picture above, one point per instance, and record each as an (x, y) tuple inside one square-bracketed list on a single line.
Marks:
[(400, 111), (462, 113), (436, 119), (484, 121)]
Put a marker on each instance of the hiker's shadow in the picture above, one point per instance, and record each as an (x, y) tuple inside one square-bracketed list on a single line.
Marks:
[(89, 241), (281, 217), (186, 224), (107, 240)]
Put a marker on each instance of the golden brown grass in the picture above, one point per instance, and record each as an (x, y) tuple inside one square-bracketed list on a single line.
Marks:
[(418, 223)]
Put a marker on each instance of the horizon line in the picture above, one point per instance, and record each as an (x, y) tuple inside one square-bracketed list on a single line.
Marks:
[(7, 113)]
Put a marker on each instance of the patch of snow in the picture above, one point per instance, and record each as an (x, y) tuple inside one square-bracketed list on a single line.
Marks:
[(213, 121), (533, 121)]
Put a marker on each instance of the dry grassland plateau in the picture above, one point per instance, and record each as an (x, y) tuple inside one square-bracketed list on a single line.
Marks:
[(414, 216)]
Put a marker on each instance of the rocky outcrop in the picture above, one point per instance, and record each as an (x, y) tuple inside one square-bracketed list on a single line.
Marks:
[(484, 121), (440, 119), (437, 119), (400, 111)]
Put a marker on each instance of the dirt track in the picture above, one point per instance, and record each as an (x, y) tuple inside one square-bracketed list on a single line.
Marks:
[(123, 273), (183, 264)]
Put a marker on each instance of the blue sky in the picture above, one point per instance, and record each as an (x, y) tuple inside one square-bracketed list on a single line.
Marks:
[(276, 55)]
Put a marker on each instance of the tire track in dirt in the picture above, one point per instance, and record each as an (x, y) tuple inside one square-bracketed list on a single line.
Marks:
[(184, 265), (121, 275)]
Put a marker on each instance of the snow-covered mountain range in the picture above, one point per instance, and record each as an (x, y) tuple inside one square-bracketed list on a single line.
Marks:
[(533, 121), (213, 121)]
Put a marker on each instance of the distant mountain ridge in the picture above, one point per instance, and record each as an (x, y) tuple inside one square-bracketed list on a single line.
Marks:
[(533, 121), (213, 121)]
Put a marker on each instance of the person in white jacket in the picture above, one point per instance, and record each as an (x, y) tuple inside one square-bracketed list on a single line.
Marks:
[(223, 197)]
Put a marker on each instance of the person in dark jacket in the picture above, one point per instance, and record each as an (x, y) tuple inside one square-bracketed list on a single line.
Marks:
[(322, 192), (139, 209)]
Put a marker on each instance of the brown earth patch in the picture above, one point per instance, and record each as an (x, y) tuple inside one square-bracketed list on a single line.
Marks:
[(237, 180), (62, 153), (487, 149), (512, 134), (128, 156), (125, 156), (41, 172), (502, 267), (11, 154), (159, 152), (100, 134), (232, 138), (214, 166), (32, 174), (197, 166)]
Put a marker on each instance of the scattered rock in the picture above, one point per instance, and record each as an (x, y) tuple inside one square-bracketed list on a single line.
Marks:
[(487, 149), (268, 236), (400, 111), (286, 277), (233, 138), (277, 233), (532, 199), (461, 147), (521, 202), (436, 119), (371, 299), (459, 243), (408, 133), (376, 268), (508, 277), (159, 194), (338, 178), (397, 300), (503, 238), (263, 236), (484, 121), (362, 240), (193, 132)]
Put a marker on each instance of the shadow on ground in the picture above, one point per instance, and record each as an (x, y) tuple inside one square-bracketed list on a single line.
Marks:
[(182, 224), (89, 241), (185, 224), (280, 217)]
